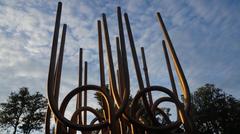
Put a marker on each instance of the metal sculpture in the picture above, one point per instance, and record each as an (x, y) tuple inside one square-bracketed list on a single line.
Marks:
[(120, 116)]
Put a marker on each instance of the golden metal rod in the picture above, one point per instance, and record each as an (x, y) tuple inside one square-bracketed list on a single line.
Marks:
[(54, 46), (112, 78), (137, 68), (59, 65), (101, 67), (113, 86), (58, 69), (85, 92), (79, 95), (47, 121), (145, 69), (52, 64), (177, 65), (120, 69), (101, 58), (126, 82), (124, 73), (181, 76), (171, 77), (119, 82), (80, 67), (134, 53)]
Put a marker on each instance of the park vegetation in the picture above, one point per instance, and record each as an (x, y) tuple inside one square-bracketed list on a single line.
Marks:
[(23, 112)]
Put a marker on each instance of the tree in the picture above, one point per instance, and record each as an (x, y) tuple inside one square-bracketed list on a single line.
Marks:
[(214, 111), (35, 113), (23, 111)]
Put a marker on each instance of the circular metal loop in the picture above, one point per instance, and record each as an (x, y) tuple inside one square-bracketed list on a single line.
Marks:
[(79, 111), (70, 95), (153, 128)]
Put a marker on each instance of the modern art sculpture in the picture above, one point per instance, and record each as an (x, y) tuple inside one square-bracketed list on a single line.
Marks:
[(120, 115)]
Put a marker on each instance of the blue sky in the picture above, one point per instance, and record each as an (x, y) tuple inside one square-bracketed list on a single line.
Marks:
[(205, 35)]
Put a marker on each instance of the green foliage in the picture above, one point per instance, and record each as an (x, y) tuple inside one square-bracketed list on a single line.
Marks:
[(100, 103), (100, 100), (214, 111), (23, 111)]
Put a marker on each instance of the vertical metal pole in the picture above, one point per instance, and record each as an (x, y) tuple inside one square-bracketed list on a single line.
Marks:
[(54, 46), (101, 59), (112, 78), (181, 76), (79, 95), (58, 72), (85, 92), (124, 73), (119, 84), (178, 67), (120, 69), (171, 77), (80, 66), (58, 69), (59, 65), (110, 63), (134, 53), (102, 73), (52, 66), (126, 82), (145, 69), (137, 69)]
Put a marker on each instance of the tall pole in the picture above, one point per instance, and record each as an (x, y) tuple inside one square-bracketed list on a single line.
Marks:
[(145, 69), (85, 91), (177, 65), (181, 76), (120, 69), (137, 68), (79, 95), (52, 66)]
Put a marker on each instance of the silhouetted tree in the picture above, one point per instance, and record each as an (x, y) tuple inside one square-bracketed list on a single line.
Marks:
[(214, 111), (23, 111)]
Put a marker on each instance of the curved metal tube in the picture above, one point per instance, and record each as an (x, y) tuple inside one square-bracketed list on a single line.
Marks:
[(79, 111), (72, 125), (152, 128)]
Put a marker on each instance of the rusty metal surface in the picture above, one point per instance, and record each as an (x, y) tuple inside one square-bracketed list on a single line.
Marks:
[(120, 114)]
